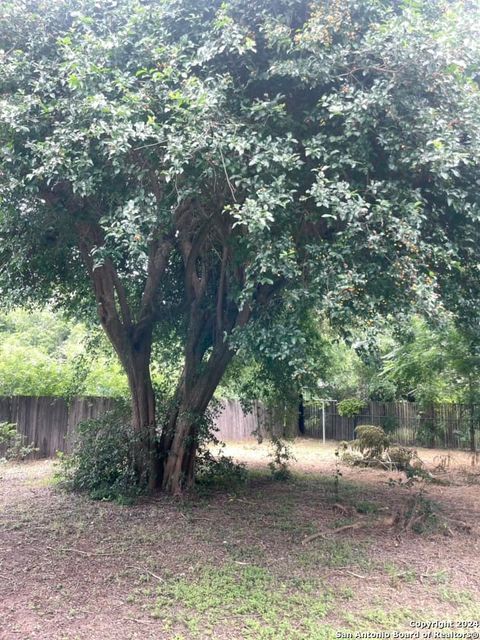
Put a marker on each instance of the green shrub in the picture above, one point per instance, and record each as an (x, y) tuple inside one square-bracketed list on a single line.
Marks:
[(366, 507), (102, 461), (220, 472), (350, 407), (402, 457), (352, 458), (371, 441), (428, 433), (281, 456), (422, 515), (389, 423), (7, 432), (372, 448), (17, 448)]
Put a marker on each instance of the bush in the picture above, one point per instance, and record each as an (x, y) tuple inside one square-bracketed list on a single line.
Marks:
[(102, 461), (402, 457), (220, 472), (7, 432), (371, 441), (428, 433), (389, 423), (372, 448), (350, 407), (17, 448), (352, 458), (281, 456)]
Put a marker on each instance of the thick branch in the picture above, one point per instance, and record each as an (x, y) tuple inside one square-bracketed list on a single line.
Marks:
[(191, 250), (121, 294), (157, 264), (221, 293), (106, 286)]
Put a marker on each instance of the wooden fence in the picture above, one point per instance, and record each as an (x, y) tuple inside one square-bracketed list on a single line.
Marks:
[(50, 422), (233, 423), (408, 423)]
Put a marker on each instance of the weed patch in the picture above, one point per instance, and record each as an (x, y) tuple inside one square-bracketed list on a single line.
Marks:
[(261, 605)]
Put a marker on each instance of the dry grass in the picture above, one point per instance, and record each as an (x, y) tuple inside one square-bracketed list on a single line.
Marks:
[(231, 564)]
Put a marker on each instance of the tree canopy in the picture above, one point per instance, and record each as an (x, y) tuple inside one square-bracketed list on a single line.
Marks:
[(204, 172)]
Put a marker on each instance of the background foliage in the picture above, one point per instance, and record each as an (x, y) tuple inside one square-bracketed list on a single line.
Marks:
[(43, 353)]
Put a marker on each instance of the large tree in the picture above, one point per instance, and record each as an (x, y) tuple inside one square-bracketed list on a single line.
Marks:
[(203, 167)]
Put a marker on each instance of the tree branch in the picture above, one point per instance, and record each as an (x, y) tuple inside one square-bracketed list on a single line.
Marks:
[(104, 287), (159, 253), (221, 291)]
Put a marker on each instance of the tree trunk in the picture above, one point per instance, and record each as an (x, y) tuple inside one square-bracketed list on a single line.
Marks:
[(179, 462), (180, 456), (137, 366), (180, 439), (131, 337)]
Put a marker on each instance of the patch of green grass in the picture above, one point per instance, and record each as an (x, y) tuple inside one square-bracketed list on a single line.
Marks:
[(366, 507), (343, 553), (439, 577), (398, 574), (456, 597), (246, 553), (379, 617), (257, 604), (470, 612), (388, 619), (346, 593), (350, 619), (333, 554)]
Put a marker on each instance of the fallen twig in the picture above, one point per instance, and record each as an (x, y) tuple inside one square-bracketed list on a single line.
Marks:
[(321, 534), (147, 571), (355, 575), (79, 551), (137, 620), (314, 536), (355, 525)]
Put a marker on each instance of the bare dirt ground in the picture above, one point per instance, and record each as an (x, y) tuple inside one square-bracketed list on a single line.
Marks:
[(244, 563)]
